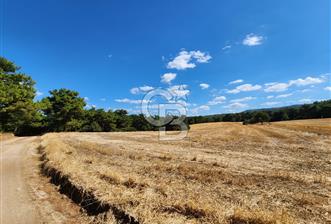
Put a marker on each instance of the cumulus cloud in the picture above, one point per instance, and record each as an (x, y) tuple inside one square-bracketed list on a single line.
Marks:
[(179, 91), (204, 86), (328, 88), (236, 81), (270, 97), (306, 81), (284, 95), (141, 89), (168, 77), (276, 87), (237, 105), (38, 93), (129, 101), (245, 88), (281, 86), (248, 98), (252, 40), (217, 100), (188, 59)]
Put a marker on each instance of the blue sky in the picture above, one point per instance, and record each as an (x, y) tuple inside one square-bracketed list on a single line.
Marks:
[(222, 56)]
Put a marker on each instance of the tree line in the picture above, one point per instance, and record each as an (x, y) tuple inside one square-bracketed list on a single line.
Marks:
[(62, 110), (321, 109), (65, 110)]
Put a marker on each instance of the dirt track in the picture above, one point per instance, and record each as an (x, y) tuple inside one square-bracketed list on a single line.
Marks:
[(26, 196), (16, 202)]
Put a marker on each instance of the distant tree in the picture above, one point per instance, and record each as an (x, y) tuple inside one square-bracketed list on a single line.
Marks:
[(99, 120), (285, 116), (64, 110), (261, 117), (325, 110), (92, 127), (229, 117), (280, 115), (123, 121), (139, 123)]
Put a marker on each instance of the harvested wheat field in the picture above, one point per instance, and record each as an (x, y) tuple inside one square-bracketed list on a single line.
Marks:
[(223, 173)]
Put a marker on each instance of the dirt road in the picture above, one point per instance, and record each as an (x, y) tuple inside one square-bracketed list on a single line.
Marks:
[(25, 195), (16, 203)]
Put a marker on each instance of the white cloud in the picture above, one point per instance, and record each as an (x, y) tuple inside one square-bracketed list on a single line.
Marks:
[(276, 87), (141, 89), (270, 97), (187, 59), (226, 47), (204, 86), (201, 57), (245, 88), (252, 40), (38, 93), (179, 91), (135, 90), (217, 100), (306, 81), (126, 100), (236, 105), (328, 88), (248, 98), (280, 87), (168, 77), (236, 81), (270, 103), (103, 99), (284, 95), (146, 88)]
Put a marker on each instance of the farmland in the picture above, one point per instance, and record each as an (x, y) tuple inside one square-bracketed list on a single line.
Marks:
[(222, 173)]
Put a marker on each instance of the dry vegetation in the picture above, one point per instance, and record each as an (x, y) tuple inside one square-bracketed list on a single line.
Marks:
[(223, 173)]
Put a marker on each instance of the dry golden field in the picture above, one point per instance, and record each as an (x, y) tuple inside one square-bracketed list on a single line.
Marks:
[(223, 173)]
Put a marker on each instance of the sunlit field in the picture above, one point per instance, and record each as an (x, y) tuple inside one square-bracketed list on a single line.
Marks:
[(222, 173)]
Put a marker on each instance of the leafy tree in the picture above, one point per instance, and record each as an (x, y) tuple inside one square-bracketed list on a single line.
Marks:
[(64, 110), (123, 121), (7, 66), (260, 117), (139, 123), (18, 112), (279, 116), (99, 120), (92, 127)]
